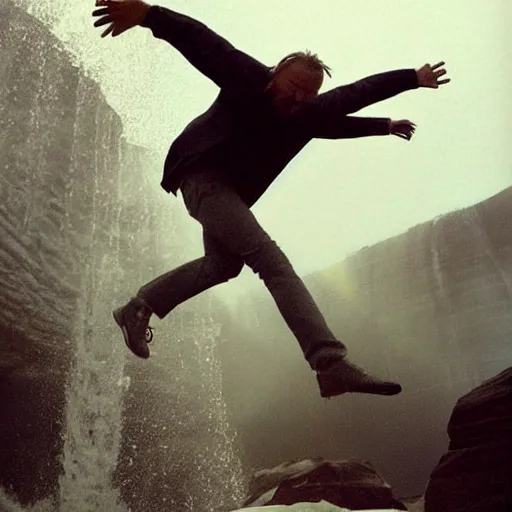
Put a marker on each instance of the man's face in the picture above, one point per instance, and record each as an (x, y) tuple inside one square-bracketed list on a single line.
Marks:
[(294, 85)]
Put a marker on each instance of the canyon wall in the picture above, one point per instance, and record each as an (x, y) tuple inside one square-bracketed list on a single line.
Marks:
[(430, 308)]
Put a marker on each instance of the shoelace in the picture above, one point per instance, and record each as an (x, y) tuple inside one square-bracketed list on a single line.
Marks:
[(149, 330)]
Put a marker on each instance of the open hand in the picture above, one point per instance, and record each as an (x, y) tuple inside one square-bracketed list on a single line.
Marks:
[(403, 128), (121, 14), (428, 76)]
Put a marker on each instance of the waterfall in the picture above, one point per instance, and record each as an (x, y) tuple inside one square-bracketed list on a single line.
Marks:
[(84, 199), (481, 240), (440, 290), (220, 459), (96, 383)]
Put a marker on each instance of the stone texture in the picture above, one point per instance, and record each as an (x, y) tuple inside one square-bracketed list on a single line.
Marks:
[(51, 119), (351, 484), (84, 223), (429, 308), (476, 472)]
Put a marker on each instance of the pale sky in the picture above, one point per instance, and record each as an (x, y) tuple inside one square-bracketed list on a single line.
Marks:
[(336, 196)]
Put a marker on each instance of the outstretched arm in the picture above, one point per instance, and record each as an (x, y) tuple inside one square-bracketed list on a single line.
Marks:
[(207, 51), (326, 112), (347, 99), (351, 127)]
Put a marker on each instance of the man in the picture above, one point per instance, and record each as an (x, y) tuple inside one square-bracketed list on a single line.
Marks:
[(227, 157)]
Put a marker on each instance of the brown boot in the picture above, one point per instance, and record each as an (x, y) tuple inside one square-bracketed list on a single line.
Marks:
[(133, 318), (342, 376)]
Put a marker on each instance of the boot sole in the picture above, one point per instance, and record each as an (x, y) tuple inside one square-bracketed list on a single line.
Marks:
[(118, 317)]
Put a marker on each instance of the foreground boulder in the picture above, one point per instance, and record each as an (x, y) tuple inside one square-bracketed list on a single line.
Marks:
[(476, 472), (306, 506), (352, 484)]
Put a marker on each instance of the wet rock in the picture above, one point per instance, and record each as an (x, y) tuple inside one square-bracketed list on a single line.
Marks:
[(476, 472), (351, 484), (429, 308)]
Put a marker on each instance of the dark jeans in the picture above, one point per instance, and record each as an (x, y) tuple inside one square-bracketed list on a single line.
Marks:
[(232, 237)]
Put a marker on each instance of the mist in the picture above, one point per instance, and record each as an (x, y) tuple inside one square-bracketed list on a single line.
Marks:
[(405, 246)]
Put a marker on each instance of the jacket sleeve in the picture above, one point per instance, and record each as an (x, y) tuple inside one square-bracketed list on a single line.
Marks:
[(324, 117), (351, 127), (208, 52)]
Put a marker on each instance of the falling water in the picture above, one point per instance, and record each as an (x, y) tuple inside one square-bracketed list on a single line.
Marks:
[(97, 382), (441, 292), (95, 388), (435, 246), (220, 457)]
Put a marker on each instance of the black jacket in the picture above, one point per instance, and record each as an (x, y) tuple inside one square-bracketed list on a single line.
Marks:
[(240, 129)]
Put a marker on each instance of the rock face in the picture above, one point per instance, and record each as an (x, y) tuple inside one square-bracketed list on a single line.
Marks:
[(79, 233), (349, 484), (83, 224), (429, 308), (176, 450), (51, 120), (476, 472)]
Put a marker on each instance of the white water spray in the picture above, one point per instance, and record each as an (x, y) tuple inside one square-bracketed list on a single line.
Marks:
[(97, 384)]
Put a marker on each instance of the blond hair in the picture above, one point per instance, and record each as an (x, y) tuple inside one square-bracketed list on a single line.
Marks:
[(309, 58)]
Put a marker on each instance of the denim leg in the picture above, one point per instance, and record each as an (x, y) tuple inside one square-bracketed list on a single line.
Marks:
[(229, 221), (169, 290)]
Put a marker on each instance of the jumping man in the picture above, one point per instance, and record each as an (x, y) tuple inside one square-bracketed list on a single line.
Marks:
[(226, 158)]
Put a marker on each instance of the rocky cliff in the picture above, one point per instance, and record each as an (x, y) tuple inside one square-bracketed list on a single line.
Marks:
[(430, 308), (476, 471), (81, 230), (56, 134), (83, 224)]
